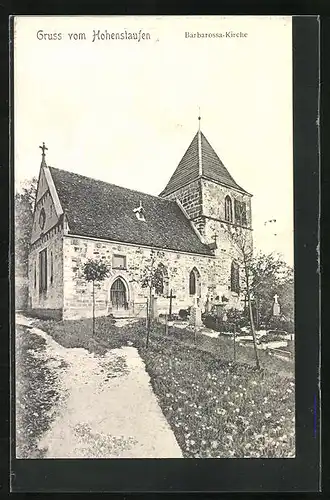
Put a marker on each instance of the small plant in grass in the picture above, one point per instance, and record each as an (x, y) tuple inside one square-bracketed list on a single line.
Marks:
[(152, 277), (95, 271)]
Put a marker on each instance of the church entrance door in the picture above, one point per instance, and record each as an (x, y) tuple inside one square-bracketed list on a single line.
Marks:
[(118, 295)]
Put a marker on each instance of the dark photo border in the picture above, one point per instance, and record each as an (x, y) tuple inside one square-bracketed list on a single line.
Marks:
[(301, 474)]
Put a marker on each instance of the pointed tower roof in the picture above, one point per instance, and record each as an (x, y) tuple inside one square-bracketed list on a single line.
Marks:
[(200, 161)]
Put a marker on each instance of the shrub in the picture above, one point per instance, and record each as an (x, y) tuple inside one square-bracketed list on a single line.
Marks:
[(235, 318), (272, 336), (240, 318), (278, 323), (183, 314), (211, 321)]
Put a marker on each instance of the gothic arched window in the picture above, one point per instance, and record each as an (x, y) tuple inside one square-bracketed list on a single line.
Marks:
[(228, 209), (194, 282), (51, 267), (234, 277), (118, 294), (161, 280)]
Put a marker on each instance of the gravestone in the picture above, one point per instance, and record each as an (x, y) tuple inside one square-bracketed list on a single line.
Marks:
[(153, 308), (276, 306), (196, 314)]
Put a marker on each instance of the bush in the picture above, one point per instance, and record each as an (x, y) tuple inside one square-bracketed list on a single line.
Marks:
[(271, 336), (112, 319), (235, 318), (212, 321), (278, 323), (183, 314)]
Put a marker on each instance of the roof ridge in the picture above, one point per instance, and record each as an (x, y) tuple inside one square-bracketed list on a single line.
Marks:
[(111, 184)]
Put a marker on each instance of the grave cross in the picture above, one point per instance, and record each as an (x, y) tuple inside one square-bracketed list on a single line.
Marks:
[(171, 297)]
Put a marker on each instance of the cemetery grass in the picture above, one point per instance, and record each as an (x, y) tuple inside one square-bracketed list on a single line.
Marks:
[(216, 408), (36, 393)]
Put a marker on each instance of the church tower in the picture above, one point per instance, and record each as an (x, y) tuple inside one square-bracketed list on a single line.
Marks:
[(210, 196)]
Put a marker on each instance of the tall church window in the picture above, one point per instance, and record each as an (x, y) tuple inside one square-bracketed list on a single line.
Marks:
[(194, 282), (240, 212), (228, 209), (35, 275), (234, 278), (51, 267), (43, 271), (161, 280)]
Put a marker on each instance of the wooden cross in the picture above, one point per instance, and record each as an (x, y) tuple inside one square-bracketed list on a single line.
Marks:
[(171, 297), (43, 148)]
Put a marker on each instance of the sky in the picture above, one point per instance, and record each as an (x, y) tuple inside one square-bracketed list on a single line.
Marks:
[(125, 111)]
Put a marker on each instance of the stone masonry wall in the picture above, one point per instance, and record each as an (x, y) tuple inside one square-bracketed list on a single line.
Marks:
[(214, 278), (190, 197), (44, 202), (51, 301), (214, 213), (214, 200)]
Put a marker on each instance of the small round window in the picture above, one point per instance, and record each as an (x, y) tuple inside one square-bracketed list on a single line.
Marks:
[(42, 218)]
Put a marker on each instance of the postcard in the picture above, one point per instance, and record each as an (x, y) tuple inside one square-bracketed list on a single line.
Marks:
[(154, 238)]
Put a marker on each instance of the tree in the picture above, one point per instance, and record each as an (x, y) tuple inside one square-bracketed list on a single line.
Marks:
[(286, 298), (24, 201), (95, 271), (151, 277), (242, 240), (24, 208), (270, 275)]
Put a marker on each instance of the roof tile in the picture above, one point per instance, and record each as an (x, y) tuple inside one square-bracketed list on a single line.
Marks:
[(211, 167), (98, 209)]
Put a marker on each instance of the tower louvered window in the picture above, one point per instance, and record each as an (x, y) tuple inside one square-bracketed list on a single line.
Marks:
[(228, 209), (234, 278), (240, 212)]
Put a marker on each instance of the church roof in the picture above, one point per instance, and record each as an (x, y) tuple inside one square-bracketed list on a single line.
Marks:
[(200, 161), (101, 210)]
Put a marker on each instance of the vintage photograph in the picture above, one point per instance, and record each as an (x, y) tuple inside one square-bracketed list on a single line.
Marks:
[(154, 257)]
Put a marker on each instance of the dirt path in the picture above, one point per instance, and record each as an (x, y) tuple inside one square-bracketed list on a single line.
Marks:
[(106, 409)]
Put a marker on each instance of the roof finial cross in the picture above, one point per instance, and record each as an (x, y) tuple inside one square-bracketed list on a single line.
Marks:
[(43, 148)]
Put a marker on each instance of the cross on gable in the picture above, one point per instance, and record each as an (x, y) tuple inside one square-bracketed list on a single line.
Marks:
[(43, 149)]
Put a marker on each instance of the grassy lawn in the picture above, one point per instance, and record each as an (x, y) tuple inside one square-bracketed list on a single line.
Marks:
[(215, 408), (223, 347), (36, 393)]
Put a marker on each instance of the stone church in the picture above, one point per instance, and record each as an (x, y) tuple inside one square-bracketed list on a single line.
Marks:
[(78, 218)]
